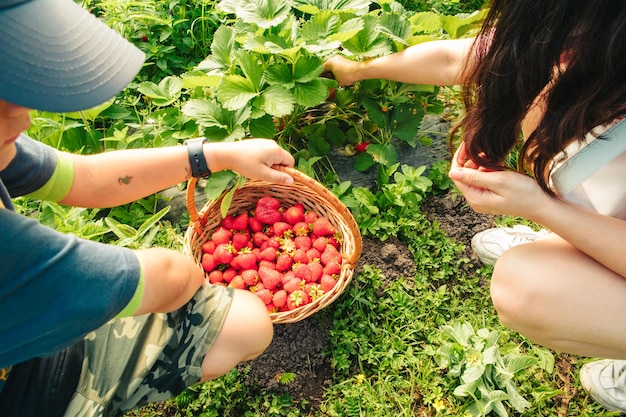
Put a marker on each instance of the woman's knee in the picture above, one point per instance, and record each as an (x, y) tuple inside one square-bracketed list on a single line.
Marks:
[(514, 286)]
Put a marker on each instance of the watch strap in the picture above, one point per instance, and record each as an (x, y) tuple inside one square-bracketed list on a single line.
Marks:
[(197, 161)]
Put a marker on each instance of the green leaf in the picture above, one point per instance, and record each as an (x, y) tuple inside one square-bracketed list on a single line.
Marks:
[(217, 183), (354, 6), (277, 101), (279, 73), (368, 42), (318, 147), (263, 127), (425, 22), (363, 162), (222, 46), (251, 67), (263, 13), (310, 94), (235, 92), (320, 26), (406, 120), (307, 69), (396, 27), (92, 113), (163, 94), (348, 30)]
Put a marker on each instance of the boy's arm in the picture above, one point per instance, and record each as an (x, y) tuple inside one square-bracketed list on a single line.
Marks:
[(119, 177)]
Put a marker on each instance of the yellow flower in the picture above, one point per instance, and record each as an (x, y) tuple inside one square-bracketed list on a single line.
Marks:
[(439, 405), (360, 378)]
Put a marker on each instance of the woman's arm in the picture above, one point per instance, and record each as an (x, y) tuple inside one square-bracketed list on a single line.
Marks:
[(119, 177), (431, 63)]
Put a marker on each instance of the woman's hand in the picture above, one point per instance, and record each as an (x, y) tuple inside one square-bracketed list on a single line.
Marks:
[(344, 70), (496, 192), (252, 158)]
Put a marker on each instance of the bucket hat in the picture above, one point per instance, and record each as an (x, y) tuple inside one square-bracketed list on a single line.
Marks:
[(57, 56)]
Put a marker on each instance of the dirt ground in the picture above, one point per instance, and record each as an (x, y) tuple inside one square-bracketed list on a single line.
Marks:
[(304, 342)]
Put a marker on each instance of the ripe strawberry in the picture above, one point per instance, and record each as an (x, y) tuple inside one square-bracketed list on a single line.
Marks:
[(322, 227), (301, 229), (361, 147), (302, 271), (250, 277), (221, 235), (237, 282), (317, 270), (223, 253), (310, 217), (259, 238), (254, 224), (246, 260), (208, 262), (293, 284), (281, 229), (216, 276), (265, 295), (274, 242), (240, 222), (296, 299), (266, 210), (302, 242), (271, 308), (320, 243), (313, 254), (294, 214), (268, 216), (280, 298), (300, 256), (334, 242), (287, 276), (240, 240), (229, 274), (328, 283), (267, 264), (283, 263), (314, 291), (270, 277), (227, 222), (330, 254), (208, 247), (268, 254), (332, 268)]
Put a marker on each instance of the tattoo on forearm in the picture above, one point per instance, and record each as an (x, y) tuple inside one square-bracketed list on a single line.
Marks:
[(124, 180)]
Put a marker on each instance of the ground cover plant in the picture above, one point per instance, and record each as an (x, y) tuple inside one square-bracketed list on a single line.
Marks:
[(414, 334)]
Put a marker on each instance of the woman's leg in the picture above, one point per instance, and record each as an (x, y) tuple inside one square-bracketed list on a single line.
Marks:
[(247, 331), (560, 298)]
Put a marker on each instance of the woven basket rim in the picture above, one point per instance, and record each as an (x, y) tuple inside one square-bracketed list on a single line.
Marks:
[(337, 211)]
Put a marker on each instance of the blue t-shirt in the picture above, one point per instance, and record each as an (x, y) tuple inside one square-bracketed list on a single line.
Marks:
[(54, 287)]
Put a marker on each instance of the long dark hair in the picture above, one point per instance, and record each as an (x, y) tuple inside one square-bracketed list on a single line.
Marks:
[(519, 51)]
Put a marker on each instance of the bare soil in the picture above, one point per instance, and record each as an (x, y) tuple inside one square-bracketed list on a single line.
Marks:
[(304, 342)]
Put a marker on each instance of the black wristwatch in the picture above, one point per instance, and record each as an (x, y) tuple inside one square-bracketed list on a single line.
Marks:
[(197, 161)]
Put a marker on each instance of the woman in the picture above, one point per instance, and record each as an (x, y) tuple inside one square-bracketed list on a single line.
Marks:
[(554, 74)]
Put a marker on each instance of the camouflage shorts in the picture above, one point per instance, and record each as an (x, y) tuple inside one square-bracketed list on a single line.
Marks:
[(134, 361)]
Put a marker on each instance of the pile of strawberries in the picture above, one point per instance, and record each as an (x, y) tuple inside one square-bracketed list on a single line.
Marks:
[(287, 256)]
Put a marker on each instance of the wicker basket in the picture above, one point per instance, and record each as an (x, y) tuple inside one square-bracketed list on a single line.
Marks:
[(313, 195)]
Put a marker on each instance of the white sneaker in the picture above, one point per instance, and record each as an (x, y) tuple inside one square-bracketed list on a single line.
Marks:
[(490, 244), (605, 381)]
